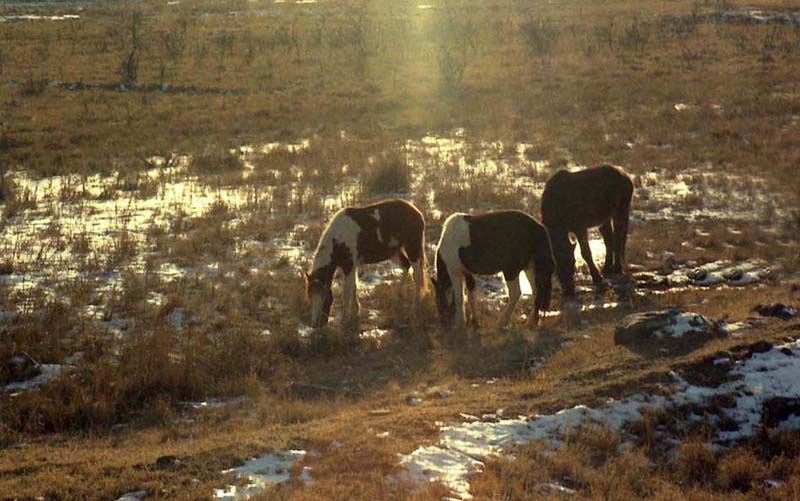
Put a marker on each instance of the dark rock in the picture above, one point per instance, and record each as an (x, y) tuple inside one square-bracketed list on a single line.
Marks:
[(20, 367), (759, 347), (726, 401), (733, 275), (727, 424), (787, 351), (779, 409), (778, 310), (165, 462)]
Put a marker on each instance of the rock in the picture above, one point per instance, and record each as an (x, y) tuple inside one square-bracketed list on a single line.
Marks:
[(20, 367), (779, 409), (133, 496), (554, 489), (413, 400), (759, 347), (778, 310), (651, 324), (165, 462)]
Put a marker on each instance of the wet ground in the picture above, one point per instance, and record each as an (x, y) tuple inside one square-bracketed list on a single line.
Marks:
[(77, 228)]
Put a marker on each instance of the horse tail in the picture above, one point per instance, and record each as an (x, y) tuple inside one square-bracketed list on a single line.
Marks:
[(544, 265), (422, 283)]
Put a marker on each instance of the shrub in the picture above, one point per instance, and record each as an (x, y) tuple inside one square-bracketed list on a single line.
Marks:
[(696, 462), (540, 36), (389, 173), (215, 160)]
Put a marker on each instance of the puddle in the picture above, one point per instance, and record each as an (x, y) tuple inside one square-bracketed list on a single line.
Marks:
[(36, 17), (463, 447), (71, 226), (260, 473)]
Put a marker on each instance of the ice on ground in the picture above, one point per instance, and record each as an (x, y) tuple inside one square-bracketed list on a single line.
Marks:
[(211, 403), (684, 323), (36, 17), (735, 329), (260, 473), (48, 372), (133, 496), (463, 446)]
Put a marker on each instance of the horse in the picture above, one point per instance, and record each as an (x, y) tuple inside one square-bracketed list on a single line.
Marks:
[(507, 241), (573, 202), (388, 229)]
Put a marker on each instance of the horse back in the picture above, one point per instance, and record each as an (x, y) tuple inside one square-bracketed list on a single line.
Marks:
[(502, 241), (385, 227), (587, 198)]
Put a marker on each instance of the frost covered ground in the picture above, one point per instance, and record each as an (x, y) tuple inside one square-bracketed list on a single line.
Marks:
[(261, 472), (758, 379)]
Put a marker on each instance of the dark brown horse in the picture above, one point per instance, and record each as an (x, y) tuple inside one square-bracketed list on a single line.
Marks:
[(574, 202), (364, 235)]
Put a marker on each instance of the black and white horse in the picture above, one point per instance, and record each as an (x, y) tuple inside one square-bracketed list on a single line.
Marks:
[(364, 235), (507, 241)]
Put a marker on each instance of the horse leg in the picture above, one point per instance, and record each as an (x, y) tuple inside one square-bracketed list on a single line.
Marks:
[(471, 298), (457, 279), (355, 306), (586, 252), (533, 319), (512, 283), (611, 247), (621, 234), (419, 283), (347, 294)]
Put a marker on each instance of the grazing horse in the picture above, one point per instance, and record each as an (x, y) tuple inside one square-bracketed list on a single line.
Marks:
[(576, 201), (507, 241), (364, 235)]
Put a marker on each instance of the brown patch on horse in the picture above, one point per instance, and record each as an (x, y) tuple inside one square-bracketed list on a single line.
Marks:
[(387, 226)]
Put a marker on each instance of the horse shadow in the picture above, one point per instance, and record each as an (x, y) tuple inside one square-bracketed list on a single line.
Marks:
[(486, 353)]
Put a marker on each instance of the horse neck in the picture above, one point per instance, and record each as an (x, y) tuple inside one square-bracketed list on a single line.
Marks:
[(323, 265)]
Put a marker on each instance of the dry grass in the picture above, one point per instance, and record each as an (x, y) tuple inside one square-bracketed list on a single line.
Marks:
[(357, 80)]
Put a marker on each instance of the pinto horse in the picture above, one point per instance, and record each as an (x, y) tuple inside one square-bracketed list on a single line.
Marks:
[(507, 241), (573, 202), (365, 235)]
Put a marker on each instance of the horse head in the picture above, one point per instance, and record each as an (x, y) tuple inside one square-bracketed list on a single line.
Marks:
[(445, 302), (320, 295), (564, 254)]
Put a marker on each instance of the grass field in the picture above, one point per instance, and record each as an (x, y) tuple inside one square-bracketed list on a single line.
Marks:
[(167, 169)]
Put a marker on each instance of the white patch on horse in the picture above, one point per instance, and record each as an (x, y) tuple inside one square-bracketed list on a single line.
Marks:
[(342, 228), (380, 236), (455, 235), (393, 242), (377, 215)]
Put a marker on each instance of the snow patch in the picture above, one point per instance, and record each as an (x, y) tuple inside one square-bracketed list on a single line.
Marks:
[(463, 446), (261, 472)]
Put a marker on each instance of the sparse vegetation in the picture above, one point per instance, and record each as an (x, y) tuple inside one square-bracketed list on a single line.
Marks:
[(167, 168)]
